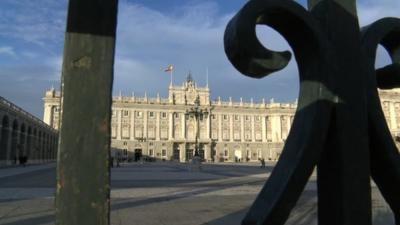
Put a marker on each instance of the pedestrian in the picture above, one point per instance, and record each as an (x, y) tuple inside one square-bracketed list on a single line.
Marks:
[(262, 163)]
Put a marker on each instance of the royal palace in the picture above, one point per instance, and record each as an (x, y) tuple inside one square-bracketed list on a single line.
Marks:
[(171, 128)]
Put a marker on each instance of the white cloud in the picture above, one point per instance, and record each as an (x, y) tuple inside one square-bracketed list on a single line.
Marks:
[(37, 22), (370, 11), (7, 50), (192, 39)]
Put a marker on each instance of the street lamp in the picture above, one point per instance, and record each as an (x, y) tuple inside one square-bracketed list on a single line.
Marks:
[(142, 139), (197, 112)]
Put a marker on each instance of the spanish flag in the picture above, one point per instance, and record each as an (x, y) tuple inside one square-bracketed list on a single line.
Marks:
[(169, 68)]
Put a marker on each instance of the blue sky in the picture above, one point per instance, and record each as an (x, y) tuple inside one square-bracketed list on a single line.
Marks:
[(151, 34)]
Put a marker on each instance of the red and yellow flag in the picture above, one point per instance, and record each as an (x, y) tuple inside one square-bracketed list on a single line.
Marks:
[(169, 68)]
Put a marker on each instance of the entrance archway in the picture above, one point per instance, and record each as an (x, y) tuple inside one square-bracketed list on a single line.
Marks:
[(29, 143), (14, 142), (21, 144), (238, 155), (189, 154), (176, 152), (5, 134), (138, 154)]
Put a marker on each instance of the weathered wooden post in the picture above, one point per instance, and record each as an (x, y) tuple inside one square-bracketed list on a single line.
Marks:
[(339, 124), (83, 177)]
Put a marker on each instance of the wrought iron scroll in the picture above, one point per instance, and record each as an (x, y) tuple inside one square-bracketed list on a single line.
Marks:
[(339, 125)]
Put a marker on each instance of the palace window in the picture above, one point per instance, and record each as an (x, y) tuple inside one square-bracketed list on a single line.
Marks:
[(257, 118), (247, 118), (236, 117), (191, 132), (139, 114), (225, 135), (139, 131), (164, 115), (247, 135), (225, 117), (164, 153), (151, 152), (284, 127), (258, 136), (236, 135), (164, 132), (226, 153), (151, 114), (125, 130), (114, 131), (151, 132), (213, 116), (176, 115), (397, 113), (177, 131), (268, 128), (126, 113), (214, 134)]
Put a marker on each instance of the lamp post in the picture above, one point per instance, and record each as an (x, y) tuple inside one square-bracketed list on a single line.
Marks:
[(197, 112), (142, 139)]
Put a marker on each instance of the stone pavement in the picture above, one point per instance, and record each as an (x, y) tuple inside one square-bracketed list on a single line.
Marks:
[(160, 193)]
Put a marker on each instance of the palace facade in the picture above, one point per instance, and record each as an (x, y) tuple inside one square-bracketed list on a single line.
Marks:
[(165, 128)]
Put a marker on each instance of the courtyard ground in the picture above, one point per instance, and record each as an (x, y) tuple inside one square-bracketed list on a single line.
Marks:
[(162, 193)]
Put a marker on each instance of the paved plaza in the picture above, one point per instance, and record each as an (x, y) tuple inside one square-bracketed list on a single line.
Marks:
[(160, 193)]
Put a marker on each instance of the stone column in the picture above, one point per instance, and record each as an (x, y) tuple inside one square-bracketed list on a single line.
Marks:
[(242, 128), (264, 128), (207, 152), (119, 124), (253, 136), (231, 127), (182, 152), (209, 125), (25, 142), (183, 125), (219, 127), (48, 114), (145, 115), (276, 128), (158, 114), (289, 124), (171, 126), (132, 130), (392, 114)]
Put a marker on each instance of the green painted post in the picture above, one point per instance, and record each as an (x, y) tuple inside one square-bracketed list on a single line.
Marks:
[(83, 176)]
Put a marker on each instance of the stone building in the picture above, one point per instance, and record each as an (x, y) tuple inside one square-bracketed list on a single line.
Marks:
[(227, 131), (24, 135)]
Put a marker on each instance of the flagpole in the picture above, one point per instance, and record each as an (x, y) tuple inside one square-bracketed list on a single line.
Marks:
[(170, 73), (170, 69), (207, 77)]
